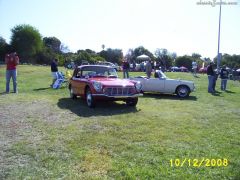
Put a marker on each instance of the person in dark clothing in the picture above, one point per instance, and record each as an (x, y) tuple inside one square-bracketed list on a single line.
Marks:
[(216, 74), (54, 70), (224, 76), (210, 73), (125, 67)]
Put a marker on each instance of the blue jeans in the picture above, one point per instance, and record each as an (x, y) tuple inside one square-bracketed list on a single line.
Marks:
[(125, 73), (223, 84), (210, 84), (11, 74)]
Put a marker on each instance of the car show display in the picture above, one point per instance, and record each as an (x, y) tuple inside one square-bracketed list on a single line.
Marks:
[(98, 82), (162, 84)]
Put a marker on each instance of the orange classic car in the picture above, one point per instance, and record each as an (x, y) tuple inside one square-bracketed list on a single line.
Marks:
[(98, 82)]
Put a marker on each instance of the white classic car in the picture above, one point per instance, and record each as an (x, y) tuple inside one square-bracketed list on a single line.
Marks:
[(160, 83)]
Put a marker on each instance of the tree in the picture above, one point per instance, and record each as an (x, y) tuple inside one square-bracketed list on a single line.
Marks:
[(165, 58), (26, 41), (196, 55), (103, 47), (230, 60), (112, 55), (53, 43), (185, 61), (140, 51), (3, 48)]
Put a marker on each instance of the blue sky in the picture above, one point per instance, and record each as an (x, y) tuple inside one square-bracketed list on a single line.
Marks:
[(182, 26)]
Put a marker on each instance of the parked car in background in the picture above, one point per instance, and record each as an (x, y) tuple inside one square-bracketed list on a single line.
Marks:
[(175, 69), (161, 84), (105, 63), (98, 82)]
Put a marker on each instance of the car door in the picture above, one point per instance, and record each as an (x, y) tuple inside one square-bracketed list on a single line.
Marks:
[(154, 84), (78, 83)]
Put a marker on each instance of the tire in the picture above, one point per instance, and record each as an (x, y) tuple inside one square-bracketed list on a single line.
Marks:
[(89, 98), (132, 102), (72, 95), (183, 91)]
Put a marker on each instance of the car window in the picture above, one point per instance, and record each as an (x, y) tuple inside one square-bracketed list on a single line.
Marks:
[(98, 71)]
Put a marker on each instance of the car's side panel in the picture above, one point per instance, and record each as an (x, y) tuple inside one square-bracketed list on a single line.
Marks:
[(171, 85), (78, 86), (154, 84)]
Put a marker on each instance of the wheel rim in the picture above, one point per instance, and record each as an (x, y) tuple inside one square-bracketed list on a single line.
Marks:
[(89, 99), (182, 91)]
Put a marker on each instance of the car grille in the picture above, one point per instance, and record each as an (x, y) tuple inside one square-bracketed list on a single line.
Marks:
[(119, 91)]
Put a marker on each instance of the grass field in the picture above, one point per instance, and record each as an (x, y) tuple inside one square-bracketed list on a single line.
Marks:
[(46, 135)]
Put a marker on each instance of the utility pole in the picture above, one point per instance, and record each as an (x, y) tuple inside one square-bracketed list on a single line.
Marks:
[(219, 27)]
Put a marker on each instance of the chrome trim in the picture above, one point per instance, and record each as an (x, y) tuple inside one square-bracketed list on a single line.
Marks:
[(118, 97)]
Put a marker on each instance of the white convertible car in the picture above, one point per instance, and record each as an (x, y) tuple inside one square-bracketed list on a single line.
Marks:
[(160, 83)]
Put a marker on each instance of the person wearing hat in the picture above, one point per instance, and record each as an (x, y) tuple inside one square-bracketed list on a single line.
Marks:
[(210, 73), (224, 77)]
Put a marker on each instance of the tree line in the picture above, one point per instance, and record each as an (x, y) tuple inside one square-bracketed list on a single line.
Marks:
[(35, 49)]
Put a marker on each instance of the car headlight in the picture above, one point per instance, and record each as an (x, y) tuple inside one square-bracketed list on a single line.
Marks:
[(97, 86), (138, 86)]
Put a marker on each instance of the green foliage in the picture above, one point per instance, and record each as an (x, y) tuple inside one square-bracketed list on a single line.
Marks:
[(112, 55), (231, 61), (53, 43), (165, 58), (140, 51), (26, 41), (3, 48), (185, 61)]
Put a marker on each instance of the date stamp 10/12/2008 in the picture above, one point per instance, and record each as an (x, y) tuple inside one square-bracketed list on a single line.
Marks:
[(202, 162)]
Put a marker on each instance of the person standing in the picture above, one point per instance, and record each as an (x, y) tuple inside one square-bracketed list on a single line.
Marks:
[(54, 70), (126, 67), (148, 69), (224, 77), (210, 73), (11, 60), (216, 73), (194, 67)]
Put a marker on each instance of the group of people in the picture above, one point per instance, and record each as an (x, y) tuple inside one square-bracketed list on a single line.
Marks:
[(12, 60), (213, 76), (126, 68)]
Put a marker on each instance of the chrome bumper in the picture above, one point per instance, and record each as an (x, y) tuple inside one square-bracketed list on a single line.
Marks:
[(117, 97)]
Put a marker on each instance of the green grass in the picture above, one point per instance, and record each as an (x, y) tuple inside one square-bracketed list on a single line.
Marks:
[(46, 135)]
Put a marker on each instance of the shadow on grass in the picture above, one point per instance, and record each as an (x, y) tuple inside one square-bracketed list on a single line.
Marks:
[(168, 96), (80, 108), (231, 92), (3, 93), (41, 89)]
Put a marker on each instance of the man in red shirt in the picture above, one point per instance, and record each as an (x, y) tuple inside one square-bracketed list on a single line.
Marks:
[(11, 61)]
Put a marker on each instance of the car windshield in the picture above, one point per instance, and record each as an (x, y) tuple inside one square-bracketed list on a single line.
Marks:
[(162, 75), (99, 71)]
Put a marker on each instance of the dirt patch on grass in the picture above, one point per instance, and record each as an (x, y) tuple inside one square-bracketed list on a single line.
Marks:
[(19, 123)]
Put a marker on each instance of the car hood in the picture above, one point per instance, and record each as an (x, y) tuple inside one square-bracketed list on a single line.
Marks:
[(113, 81)]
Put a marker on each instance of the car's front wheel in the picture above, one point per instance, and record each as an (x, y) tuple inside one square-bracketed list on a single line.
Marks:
[(132, 102), (89, 98), (183, 91)]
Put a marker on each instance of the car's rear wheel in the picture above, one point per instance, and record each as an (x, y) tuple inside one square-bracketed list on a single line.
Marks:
[(132, 102), (183, 91), (89, 98), (72, 95)]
